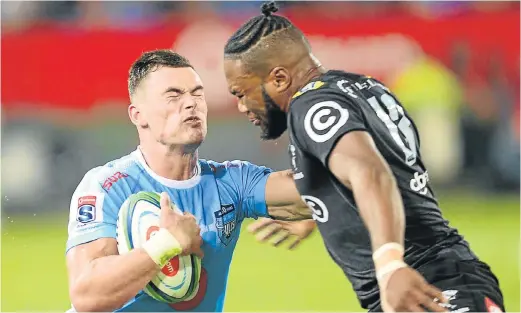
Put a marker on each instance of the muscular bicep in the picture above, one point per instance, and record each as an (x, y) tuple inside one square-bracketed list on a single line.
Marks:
[(81, 256), (355, 158), (283, 199)]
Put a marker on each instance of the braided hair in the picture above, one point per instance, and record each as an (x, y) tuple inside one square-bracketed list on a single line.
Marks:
[(257, 28)]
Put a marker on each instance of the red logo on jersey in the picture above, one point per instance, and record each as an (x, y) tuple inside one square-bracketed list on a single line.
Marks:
[(87, 200), (172, 267), (491, 306), (151, 231), (113, 179), (191, 304)]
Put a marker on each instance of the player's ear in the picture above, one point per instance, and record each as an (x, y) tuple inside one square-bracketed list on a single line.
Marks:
[(135, 116), (281, 78)]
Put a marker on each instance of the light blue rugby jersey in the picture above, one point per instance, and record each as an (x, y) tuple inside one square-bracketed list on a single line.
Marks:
[(236, 184)]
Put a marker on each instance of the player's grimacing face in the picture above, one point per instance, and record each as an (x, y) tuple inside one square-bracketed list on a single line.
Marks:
[(254, 101), (174, 107)]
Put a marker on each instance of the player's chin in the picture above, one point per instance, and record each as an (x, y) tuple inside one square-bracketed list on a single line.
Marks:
[(197, 136), (272, 132), (270, 136)]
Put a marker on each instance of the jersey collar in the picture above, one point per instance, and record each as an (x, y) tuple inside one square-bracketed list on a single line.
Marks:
[(177, 184)]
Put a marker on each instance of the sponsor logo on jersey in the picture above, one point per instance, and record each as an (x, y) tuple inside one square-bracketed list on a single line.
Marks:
[(296, 173), (451, 295), (461, 310), (86, 209), (319, 209), (324, 119), (219, 167), (226, 220), (345, 86), (419, 183), (113, 179), (491, 306), (308, 87), (350, 87)]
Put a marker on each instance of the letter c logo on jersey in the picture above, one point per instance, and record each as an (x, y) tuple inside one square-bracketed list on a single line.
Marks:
[(324, 119), (319, 209)]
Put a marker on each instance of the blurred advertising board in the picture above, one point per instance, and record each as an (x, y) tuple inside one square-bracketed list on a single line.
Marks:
[(59, 67)]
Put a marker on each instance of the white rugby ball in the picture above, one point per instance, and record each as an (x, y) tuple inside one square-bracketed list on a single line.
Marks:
[(138, 220)]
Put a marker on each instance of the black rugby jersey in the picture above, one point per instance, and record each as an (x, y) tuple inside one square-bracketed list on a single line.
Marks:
[(327, 108)]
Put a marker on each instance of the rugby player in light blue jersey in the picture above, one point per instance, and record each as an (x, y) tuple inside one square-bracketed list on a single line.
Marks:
[(169, 110)]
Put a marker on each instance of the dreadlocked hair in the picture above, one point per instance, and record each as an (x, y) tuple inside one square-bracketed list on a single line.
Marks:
[(251, 33)]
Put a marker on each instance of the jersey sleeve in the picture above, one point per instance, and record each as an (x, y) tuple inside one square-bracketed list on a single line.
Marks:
[(251, 183), (319, 118), (93, 211)]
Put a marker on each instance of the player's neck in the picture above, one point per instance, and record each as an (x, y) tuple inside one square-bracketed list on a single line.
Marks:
[(170, 163), (307, 70)]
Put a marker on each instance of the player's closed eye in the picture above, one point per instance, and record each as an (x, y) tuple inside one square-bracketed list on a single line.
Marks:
[(197, 93), (174, 97)]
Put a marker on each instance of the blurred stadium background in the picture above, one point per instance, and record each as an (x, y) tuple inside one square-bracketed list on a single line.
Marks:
[(455, 65)]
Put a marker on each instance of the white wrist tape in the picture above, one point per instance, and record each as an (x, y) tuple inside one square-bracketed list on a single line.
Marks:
[(162, 247), (386, 247), (389, 268)]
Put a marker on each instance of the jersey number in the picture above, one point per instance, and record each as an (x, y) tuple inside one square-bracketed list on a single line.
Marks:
[(396, 123)]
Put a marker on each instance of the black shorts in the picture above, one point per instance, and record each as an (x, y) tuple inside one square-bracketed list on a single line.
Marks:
[(469, 286)]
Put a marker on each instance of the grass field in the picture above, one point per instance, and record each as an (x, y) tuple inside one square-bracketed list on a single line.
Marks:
[(262, 278)]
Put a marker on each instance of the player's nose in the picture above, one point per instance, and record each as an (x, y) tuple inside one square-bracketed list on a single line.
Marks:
[(190, 104)]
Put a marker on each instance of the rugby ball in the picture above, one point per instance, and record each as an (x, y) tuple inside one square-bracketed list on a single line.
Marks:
[(138, 220)]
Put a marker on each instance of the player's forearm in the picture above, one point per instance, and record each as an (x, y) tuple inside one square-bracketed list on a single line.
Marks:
[(294, 212), (283, 199), (109, 282), (380, 204)]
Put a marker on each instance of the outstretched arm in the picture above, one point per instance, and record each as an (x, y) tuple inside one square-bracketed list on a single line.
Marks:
[(290, 217), (282, 198), (275, 196)]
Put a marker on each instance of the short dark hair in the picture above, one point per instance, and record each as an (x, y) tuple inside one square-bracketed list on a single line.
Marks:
[(151, 61), (253, 34)]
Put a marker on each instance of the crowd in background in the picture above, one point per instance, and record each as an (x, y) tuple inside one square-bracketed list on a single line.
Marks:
[(135, 14), (468, 114)]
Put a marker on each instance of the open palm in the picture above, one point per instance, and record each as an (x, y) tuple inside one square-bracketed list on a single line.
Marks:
[(266, 229)]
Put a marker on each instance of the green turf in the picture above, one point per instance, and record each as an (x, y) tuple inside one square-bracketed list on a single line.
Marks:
[(262, 278)]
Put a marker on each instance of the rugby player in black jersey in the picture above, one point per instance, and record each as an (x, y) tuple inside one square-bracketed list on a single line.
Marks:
[(356, 163)]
